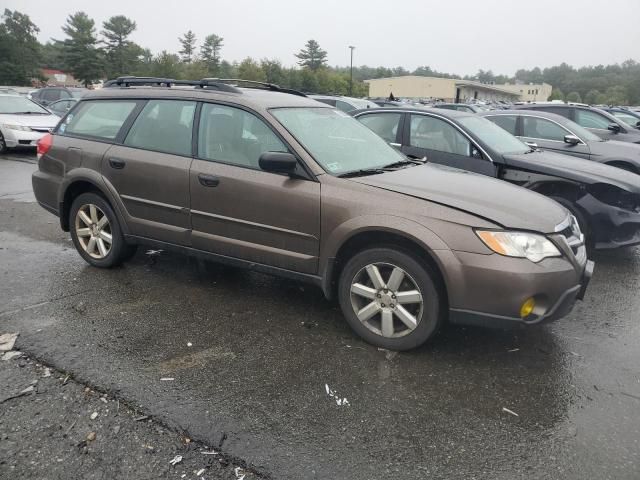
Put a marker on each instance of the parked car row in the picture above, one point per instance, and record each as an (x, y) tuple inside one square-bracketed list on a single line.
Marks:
[(274, 181)]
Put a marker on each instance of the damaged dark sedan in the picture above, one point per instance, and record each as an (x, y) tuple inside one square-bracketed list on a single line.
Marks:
[(605, 200)]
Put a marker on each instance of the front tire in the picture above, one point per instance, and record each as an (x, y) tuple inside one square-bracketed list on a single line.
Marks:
[(390, 298), (96, 233), (3, 144)]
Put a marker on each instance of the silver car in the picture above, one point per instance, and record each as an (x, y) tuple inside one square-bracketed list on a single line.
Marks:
[(23, 122)]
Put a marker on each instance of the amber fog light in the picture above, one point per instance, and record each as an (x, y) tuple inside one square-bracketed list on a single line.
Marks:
[(527, 307)]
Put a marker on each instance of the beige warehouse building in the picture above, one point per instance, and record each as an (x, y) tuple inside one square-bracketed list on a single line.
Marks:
[(453, 90)]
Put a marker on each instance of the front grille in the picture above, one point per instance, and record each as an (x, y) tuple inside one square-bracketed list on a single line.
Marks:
[(42, 129), (570, 230), (24, 142)]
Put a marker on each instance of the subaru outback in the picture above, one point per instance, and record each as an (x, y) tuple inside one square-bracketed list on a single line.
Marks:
[(265, 178)]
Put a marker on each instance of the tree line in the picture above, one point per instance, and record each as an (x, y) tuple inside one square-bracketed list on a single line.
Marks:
[(90, 53)]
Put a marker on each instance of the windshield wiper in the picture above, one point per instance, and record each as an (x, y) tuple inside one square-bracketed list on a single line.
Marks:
[(363, 172), (403, 163), (26, 113)]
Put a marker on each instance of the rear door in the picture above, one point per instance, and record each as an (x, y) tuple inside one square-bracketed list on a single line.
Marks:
[(150, 170), (442, 142), (549, 135), (241, 211)]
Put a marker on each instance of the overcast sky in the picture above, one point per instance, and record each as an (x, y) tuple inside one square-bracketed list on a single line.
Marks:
[(455, 36)]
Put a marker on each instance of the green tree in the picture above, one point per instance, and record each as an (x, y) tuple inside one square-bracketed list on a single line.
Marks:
[(166, 65), (273, 71), (82, 57), (616, 95), (574, 97), (312, 56), (556, 94), (52, 55), (249, 69), (210, 52), (188, 42), (122, 55), (592, 97), (19, 49)]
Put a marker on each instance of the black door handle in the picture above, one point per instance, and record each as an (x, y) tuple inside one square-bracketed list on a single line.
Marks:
[(117, 163), (208, 180)]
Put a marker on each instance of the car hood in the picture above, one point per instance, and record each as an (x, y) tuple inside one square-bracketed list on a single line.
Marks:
[(495, 200), (574, 168), (43, 121)]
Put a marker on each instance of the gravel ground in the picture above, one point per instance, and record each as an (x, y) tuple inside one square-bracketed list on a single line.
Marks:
[(61, 429)]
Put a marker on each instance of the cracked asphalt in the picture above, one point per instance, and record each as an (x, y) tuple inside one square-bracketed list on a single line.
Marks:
[(252, 357)]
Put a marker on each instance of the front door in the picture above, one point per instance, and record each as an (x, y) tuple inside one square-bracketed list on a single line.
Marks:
[(241, 211), (441, 142), (150, 171)]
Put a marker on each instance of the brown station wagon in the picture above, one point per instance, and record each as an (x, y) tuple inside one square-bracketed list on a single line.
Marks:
[(265, 178)]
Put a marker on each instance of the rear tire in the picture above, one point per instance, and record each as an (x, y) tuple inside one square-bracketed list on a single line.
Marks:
[(3, 144), (390, 298), (96, 233)]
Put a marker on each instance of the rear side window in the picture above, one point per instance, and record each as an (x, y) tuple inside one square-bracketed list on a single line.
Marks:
[(344, 106), (384, 124), (544, 129), (51, 95), (507, 122), (164, 126), (100, 119)]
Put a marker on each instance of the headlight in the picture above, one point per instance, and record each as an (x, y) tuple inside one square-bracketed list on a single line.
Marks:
[(21, 128), (519, 244)]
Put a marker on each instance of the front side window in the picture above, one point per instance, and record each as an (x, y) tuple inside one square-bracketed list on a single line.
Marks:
[(338, 142), (589, 119), (384, 124), (100, 119), (492, 135), (626, 118), (506, 122), (435, 134), (232, 135), (164, 126), (544, 129)]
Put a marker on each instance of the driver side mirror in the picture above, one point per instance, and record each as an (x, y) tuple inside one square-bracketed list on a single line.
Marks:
[(571, 139), (278, 162), (614, 127)]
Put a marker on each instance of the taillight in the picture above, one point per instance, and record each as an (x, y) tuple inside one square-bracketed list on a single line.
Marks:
[(44, 145)]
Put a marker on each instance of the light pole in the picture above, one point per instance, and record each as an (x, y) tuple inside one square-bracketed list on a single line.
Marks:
[(352, 48)]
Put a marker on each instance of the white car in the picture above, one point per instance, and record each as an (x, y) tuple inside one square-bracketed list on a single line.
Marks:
[(23, 122)]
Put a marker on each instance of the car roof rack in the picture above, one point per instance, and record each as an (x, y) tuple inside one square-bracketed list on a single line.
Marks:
[(221, 84)]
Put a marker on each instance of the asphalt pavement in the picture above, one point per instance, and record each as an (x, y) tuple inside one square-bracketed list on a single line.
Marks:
[(259, 364)]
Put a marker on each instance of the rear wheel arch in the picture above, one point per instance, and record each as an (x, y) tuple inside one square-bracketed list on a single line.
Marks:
[(71, 192)]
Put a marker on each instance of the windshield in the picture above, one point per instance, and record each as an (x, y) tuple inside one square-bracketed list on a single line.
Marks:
[(14, 105), (493, 136), (337, 141)]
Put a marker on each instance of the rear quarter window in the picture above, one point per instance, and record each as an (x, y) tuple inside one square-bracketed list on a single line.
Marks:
[(101, 119)]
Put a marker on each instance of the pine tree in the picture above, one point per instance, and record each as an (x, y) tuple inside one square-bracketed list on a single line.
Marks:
[(188, 42), (312, 56), (82, 57), (210, 51), (121, 53)]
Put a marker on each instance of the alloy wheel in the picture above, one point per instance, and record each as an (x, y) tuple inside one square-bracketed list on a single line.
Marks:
[(93, 230), (387, 300)]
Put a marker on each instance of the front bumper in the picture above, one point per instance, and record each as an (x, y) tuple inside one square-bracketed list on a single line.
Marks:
[(489, 290), (19, 138), (612, 226)]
